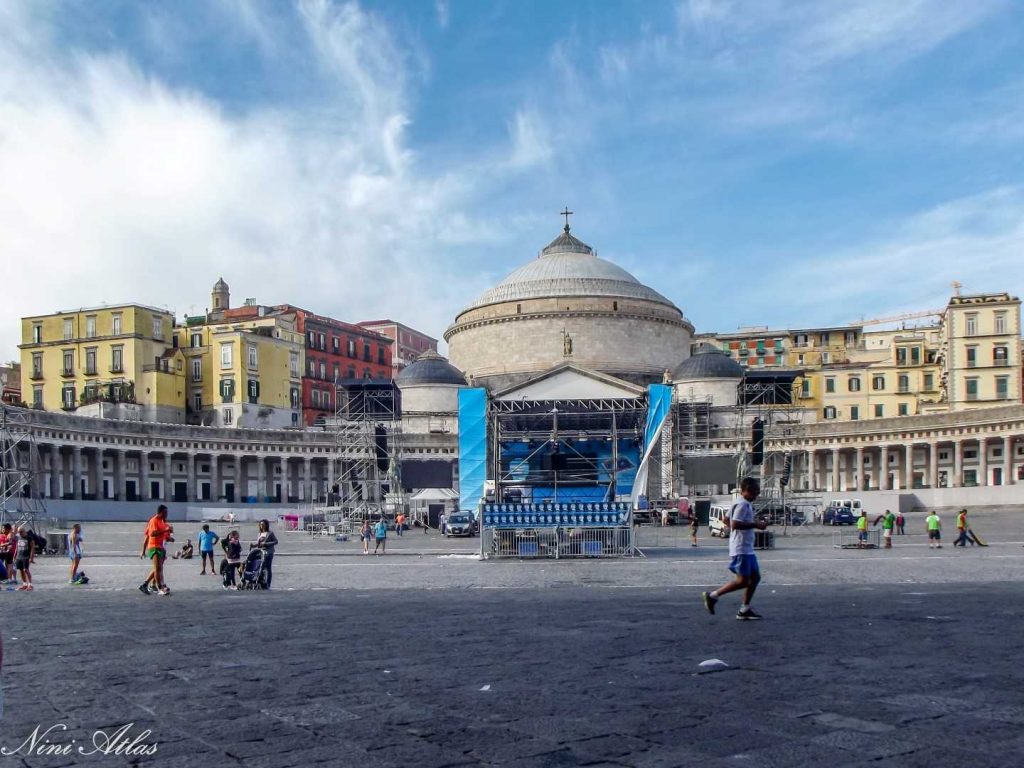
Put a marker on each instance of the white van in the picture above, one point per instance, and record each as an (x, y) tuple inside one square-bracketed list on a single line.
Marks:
[(717, 520)]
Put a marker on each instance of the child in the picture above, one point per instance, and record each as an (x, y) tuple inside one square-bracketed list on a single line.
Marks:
[(24, 550), (232, 558)]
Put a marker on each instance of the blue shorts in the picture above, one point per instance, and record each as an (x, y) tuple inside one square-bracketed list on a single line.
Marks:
[(745, 565)]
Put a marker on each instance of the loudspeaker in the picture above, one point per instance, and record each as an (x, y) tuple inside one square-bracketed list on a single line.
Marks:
[(787, 467), (757, 443), (380, 441)]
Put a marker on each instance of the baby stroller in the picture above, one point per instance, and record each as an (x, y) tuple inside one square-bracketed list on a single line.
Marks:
[(254, 571)]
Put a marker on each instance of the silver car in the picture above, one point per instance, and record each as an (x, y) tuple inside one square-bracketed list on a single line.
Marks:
[(460, 524)]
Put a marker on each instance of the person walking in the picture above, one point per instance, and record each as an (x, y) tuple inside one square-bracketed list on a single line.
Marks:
[(380, 533), (888, 524), (75, 554), (267, 541), (232, 547), (207, 539), (664, 517), (741, 549), (694, 525), (24, 550), (154, 542), (399, 524), (7, 552), (934, 527), (962, 526), (900, 522), (442, 523), (365, 534)]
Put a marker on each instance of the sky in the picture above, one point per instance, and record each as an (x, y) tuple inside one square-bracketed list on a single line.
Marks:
[(781, 163)]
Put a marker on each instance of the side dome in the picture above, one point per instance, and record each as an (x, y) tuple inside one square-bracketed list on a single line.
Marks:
[(430, 368), (708, 364), (220, 285)]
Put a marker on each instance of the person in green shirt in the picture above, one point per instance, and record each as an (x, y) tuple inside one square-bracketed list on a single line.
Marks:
[(888, 525), (934, 526), (862, 529)]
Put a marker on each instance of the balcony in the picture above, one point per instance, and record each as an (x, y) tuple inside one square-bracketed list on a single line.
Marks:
[(36, 376), (1001, 363), (117, 368), (67, 372)]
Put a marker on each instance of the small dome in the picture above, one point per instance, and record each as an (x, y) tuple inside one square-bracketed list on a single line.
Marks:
[(220, 285), (708, 364), (430, 368)]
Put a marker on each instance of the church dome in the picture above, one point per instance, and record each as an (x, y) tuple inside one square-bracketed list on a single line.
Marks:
[(220, 285), (708, 364), (430, 368), (568, 267)]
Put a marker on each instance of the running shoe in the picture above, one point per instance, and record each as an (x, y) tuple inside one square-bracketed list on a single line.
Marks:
[(748, 615), (164, 592), (23, 588), (709, 602), (144, 588)]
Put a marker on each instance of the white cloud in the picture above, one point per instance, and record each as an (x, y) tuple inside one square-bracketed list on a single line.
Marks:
[(531, 144)]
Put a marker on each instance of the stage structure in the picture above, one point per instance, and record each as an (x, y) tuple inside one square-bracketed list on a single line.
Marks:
[(21, 470), (365, 476), (566, 472)]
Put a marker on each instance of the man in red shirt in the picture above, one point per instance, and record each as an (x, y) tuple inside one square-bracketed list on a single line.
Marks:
[(154, 541)]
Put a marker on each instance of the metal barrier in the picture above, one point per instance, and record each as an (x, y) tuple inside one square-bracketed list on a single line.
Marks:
[(847, 539), (555, 543)]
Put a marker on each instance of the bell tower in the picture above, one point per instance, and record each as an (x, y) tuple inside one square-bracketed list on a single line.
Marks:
[(220, 297)]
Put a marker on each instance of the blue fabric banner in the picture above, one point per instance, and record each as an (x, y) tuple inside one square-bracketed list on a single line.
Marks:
[(472, 447)]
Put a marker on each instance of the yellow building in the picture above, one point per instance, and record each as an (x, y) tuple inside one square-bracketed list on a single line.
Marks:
[(983, 365), (111, 361)]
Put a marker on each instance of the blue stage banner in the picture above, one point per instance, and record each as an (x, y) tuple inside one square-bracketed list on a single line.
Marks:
[(472, 447), (611, 514), (659, 404)]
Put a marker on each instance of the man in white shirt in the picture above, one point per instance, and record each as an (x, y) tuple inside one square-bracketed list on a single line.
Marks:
[(741, 550)]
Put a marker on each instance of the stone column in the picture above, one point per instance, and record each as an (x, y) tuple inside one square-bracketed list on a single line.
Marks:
[(190, 477), (144, 476), (57, 469), (909, 469), (859, 470), (982, 461), (958, 466), (836, 480), (261, 478), (76, 472), (883, 468), (306, 491), (215, 482), (1009, 469), (933, 464), (168, 476), (240, 490), (119, 475)]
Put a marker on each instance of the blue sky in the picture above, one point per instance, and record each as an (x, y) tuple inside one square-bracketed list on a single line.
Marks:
[(779, 163)]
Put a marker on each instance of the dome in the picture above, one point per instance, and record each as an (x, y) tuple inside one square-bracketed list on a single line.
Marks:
[(708, 364), (220, 285), (568, 267), (430, 368)]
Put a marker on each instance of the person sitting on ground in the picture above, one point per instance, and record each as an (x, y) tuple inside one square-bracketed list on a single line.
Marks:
[(186, 552)]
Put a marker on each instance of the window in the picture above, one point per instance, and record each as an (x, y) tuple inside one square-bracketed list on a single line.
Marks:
[(252, 359), (351, 371), (826, 358), (323, 342), (196, 340), (226, 356), (227, 390), (197, 402), (1002, 387), (823, 339), (294, 395), (878, 383), (315, 398), (800, 340), (67, 396), (929, 382), (915, 355), (37, 397), (902, 409), (854, 413), (69, 363), (90, 327), (37, 333), (830, 385), (879, 411), (293, 363), (799, 359), (972, 388), (830, 412), (254, 391), (158, 327), (367, 374), (972, 357), (1000, 356), (197, 369), (336, 343), (228, 416), (366, 352), (68, 329), (904, 384), (312, 368), (117, 359), (853, 385), (327, 398), (805, 388), (323, 370), (901, 355), (337, 371), (115, 324), (311, 340), (380, 355), (972, 325), (1000, 322), (90, 361), (850, 338), (351, 348), (37, 365)]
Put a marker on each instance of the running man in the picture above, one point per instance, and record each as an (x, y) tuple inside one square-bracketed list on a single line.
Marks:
[(207, 539), (934, 527), (154, 542), (741, 550)]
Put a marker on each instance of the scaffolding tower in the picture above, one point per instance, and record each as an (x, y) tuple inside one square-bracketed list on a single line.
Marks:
[(365, 475), (21, 471)]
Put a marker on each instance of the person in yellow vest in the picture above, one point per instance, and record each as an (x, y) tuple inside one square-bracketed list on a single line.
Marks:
[(862, 529), (961, 530), (934, 527)]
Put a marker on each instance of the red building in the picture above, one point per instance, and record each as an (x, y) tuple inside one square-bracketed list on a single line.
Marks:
[(409, 343), (336, 351)]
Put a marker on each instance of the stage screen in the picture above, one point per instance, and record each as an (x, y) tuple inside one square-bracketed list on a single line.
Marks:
[(583, 469)]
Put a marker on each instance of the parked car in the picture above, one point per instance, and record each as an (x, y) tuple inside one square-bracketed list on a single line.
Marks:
[(460, 524), (717, 520), (775, 515), (838, 515)]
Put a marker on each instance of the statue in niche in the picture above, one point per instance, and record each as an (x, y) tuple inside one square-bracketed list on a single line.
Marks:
[(566, 344)]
